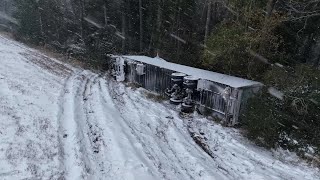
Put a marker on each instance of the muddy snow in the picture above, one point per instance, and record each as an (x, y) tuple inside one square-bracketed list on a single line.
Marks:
[(62, 122)]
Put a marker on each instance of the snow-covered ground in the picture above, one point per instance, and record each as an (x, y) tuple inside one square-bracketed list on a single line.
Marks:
[(61, 122)]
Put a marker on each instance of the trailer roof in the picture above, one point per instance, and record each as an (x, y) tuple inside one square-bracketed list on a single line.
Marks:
[(231, 81)]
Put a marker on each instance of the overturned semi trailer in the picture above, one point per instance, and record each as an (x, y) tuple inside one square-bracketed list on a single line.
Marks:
[(209, 92)]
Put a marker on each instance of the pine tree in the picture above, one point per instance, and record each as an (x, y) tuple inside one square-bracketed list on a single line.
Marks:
[(28, 14)]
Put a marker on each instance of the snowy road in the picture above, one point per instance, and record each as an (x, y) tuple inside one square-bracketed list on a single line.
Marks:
[(61, 122)]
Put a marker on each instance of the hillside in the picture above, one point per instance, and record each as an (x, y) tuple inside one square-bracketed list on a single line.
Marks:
[(63, 122)]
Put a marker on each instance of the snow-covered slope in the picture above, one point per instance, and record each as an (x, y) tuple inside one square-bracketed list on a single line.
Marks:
[(61, 122)]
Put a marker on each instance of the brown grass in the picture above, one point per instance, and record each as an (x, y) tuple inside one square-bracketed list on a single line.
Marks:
[(52, 53), (155, 97), (6, 34), (133, 86)]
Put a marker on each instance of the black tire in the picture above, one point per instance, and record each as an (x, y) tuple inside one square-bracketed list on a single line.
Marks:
[(175, 102), (187, 108)]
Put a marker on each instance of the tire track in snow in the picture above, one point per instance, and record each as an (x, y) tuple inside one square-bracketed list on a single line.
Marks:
[(94, 127), (82, 157), (130, 151), (176, 165), (191, 147), (71, 159), (73, 136), (120, 104), (184, 140), (98, 159), (163, 127)]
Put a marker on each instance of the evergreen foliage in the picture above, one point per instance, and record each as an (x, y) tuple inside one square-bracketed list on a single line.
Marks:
[(292, 123), (279, 48)]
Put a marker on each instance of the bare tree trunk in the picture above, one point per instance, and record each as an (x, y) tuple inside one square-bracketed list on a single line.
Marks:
[(123, 29), (317, 63), (82, 16), (159, 19), (40, 20), (41, 25), (270, 7), (178, 32), (207, 22), (5, 7), (141, 25), (215, 12), (105, 14), (129, 26)]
